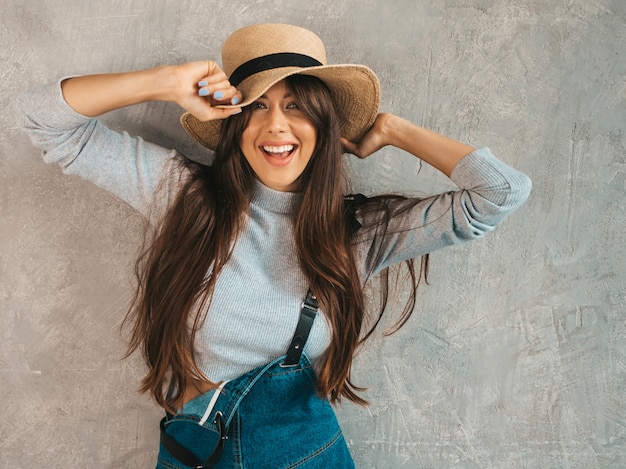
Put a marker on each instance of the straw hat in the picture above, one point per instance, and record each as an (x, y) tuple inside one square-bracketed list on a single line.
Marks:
[(257, 57)]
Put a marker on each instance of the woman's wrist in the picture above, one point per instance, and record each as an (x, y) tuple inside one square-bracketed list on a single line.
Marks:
[(394, 130), (172, 83), (161, 83)]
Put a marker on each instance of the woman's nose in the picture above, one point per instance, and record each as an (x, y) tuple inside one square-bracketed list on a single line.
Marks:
[(277, 121)]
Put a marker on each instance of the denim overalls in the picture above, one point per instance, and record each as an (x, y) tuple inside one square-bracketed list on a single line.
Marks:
[(270, 417)]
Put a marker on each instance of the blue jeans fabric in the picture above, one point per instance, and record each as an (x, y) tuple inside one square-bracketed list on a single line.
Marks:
[(275, 420)]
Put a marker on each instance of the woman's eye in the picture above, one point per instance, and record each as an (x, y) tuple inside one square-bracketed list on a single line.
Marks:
[(293, 106), (258, 105)]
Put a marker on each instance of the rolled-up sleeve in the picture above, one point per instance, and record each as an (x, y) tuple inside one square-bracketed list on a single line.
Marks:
[(129, 167), (489, 191)]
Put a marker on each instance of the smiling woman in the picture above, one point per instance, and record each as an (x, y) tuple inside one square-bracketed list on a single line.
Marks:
[(245, 370)]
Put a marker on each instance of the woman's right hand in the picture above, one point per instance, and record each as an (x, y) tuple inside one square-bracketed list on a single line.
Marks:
[(201, 86)]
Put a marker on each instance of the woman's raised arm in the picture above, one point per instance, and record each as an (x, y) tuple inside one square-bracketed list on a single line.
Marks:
[(489, 190), (60, 121), (437, 150), (196, 86)]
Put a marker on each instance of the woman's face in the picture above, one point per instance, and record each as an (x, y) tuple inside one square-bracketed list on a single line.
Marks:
[(279, 139)]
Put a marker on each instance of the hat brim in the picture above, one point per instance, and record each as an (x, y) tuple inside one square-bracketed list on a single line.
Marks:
[(355, 90)]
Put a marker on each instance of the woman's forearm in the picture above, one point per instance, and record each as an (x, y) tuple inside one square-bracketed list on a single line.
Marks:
[(193, 86), (92, 95), (437, 150)]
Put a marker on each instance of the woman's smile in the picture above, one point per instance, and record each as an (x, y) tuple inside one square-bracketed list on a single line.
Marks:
[(278, 154)]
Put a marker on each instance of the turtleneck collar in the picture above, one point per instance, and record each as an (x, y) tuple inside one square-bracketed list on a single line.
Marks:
[(272, 200)]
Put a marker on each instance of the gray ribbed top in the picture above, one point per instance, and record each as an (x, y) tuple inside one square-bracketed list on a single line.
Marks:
[(257, 299)]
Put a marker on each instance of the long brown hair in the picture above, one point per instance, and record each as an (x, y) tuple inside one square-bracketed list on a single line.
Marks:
[(181, 260)]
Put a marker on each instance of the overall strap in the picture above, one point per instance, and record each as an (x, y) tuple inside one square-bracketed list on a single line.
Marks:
[(305, 323)]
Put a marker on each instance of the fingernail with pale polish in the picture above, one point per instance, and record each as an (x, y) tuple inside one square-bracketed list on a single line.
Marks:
[(203, 92), (203, 83), (218, 95), (235, 100)]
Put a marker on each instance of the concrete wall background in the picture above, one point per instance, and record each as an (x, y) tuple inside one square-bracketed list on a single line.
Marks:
[(516, 355)]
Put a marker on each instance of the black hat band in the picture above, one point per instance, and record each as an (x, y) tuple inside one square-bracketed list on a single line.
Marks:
[(269, 62)]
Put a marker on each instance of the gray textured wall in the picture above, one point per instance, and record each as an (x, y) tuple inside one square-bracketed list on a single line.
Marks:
[(516, 356)]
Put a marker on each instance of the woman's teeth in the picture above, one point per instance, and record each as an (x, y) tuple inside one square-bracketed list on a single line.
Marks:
[(278, 150)]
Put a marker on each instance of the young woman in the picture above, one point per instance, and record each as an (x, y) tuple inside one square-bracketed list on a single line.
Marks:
[(249, 304)]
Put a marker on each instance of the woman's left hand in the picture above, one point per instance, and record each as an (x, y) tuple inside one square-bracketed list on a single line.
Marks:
[(376, 138)]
